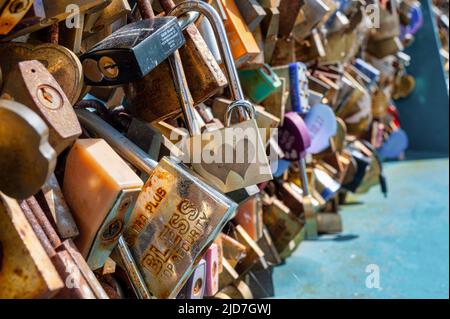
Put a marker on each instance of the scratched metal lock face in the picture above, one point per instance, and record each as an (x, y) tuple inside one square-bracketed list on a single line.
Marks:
[(171, 226), (132, 52), (31, 84)]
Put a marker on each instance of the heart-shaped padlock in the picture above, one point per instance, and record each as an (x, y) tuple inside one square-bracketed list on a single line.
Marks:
[(294, 138)]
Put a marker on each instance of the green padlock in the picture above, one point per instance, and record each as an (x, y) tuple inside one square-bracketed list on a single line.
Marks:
[(260, 83)]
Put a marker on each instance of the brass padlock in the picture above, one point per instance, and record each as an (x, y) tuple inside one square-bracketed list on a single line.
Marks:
[(233, 251), (254, 257), (12, 13), (31, 84), (286, 230), (27, 271), (62, 64), (111, 197), (190, 215), (26, 159), (311, 15)]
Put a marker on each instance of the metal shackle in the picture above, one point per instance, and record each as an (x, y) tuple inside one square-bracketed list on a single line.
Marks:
[(216, 22), (123, 146)]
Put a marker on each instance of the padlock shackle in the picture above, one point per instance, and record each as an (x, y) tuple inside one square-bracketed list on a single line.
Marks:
[(123, 146), (222, 40), (183, 93)]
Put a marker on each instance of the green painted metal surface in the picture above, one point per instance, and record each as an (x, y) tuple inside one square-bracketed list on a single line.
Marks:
[(424, 114)]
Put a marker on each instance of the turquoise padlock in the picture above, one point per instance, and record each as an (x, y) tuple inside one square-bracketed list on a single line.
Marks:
[(258, 84)]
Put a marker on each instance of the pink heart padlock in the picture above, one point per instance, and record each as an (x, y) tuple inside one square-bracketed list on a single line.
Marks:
[(293, 137)]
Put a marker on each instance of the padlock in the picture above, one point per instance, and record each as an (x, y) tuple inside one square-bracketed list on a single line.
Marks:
[(123, 255), (213, 264), (101, 19), (265, 120), (54, 205), (258, 61), (312, 48), (286, 229), (261, 283), (269, 28), (111, 197), (313, 12), (132, 52), (195, 286), (284, 52), (252, 12), (48, 12), (80, 282), (389, 24), (26, 159), (189, 213), (225, 173), (329, 223), (233, 251), (12, 13), (368, 70), (294, 139), (266, 243), (31, 84), (384, 47), (155, 139), (299, 88), (27, 271), (254, 257), (369, 168), (325, 184), (148, 101), (289, 10), (249, 216), (275, 103), (395, 146), (259, 84), (340, 47), (62, 64), (322, 126), (243, 43)]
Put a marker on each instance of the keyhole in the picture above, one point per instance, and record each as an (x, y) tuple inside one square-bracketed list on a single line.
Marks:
[(49, 97), (198, 287), (109, 67), (18, 6)]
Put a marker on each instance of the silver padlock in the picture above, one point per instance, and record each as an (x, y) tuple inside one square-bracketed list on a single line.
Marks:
[(234, 175)]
